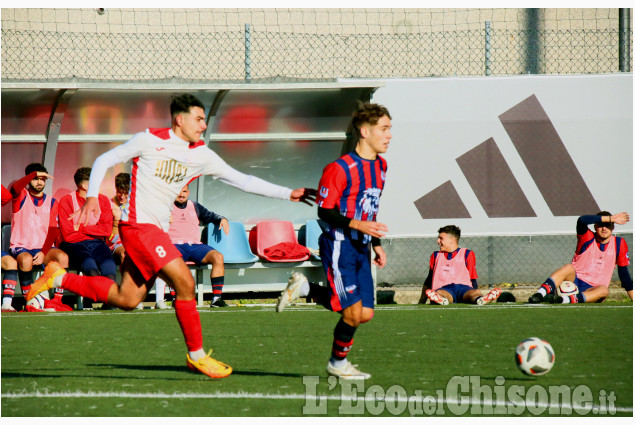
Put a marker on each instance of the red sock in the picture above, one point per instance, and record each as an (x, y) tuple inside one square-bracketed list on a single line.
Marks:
[(93, 287), (190, 322)]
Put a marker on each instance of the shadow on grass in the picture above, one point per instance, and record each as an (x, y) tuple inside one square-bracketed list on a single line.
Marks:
[(151, 368), (164, 368)]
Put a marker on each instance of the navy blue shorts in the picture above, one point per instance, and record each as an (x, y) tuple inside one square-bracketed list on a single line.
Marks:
[(4, 254), (193, 252), (457, 291), (347, 267), (90, 255), (19, 250), (582, 285)]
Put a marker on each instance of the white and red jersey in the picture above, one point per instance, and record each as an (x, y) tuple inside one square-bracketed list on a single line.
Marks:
[(162, 163), (452, 267), (184, 227)]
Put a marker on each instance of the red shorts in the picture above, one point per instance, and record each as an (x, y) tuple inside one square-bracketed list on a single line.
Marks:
[(149, 247)]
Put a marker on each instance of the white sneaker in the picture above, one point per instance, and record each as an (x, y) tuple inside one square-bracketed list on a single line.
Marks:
[(139, 307), (436, 297), (292, 292), (8, 308), (348, 371), (161, 305)]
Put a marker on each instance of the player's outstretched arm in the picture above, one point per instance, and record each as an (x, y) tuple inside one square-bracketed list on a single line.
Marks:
[(620, 218), (304, 195)]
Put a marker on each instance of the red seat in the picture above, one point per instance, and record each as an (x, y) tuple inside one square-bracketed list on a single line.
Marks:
[(275, 241)]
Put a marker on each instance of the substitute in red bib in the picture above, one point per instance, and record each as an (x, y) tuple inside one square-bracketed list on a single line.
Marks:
[(452, 276), (596, 255)]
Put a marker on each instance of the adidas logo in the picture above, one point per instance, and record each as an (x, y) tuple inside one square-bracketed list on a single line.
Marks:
[(490, 177)]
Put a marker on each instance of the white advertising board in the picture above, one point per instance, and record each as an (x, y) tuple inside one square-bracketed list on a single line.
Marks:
[(507, 155)]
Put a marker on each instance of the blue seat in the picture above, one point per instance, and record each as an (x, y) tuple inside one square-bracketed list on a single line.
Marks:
[(234, 246), (313, 230), (6, 237)]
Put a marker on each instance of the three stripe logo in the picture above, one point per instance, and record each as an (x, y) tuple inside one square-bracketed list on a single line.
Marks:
[(494, 184)]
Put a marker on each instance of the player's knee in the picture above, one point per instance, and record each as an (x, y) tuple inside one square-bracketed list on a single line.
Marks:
[(367, 316), (62, 258), (216, 258), (25, 262), (602, 291)]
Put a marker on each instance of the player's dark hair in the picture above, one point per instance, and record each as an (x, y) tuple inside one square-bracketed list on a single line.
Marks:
[(122, 182), (34, 166), (608, 214), (451, 229), (183, 103), (82, 174), (366, 113)]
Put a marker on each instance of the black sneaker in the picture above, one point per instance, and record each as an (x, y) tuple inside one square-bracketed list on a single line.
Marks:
[(536, 298), (219, 303), (558, 300), (550, 298)]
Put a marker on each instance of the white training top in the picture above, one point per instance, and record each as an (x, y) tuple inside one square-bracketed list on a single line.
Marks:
[(162, 163)]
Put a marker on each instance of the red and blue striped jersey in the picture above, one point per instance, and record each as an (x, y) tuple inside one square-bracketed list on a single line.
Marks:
[(353, 185)]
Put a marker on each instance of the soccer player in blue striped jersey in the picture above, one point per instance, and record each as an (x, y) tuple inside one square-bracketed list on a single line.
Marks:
[(348, 201)]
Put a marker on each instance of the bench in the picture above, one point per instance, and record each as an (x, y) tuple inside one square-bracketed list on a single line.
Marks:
[(244, 271)]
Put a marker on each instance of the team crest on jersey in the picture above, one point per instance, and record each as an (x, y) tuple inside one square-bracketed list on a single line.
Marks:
[(370, 201), (383, 176), (324, 192)]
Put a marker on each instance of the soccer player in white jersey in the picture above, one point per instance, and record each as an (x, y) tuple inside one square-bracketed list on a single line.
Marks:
[(163, 161)]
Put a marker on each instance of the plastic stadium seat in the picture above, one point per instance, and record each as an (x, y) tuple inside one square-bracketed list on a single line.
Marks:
[(234, 246), (6, 237), (313, 230), (267, 234)]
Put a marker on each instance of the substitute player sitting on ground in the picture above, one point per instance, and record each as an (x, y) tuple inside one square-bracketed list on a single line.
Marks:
[(452, 276), (596, 255), (186, 236), (348, 202), (163, 160)]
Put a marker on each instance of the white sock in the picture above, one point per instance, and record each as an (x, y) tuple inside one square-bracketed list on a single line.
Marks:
[(304, 289), (338, 363), (6, 301), (57, 282), (565, 300), (215, 298), (542, 291), (198, 354), (159, 289)]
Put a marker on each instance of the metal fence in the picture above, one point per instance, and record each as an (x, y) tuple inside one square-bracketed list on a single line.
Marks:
[(261, 53), (514, 260)]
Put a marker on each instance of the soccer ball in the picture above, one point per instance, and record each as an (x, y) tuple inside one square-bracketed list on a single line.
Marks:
[(38, 300), (534, 356), (567, 288)]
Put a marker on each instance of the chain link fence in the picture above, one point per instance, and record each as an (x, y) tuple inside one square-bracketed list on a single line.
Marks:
[(336, 44), (514, 260)]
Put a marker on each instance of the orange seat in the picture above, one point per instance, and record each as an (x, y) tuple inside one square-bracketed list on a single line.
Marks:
[(277, 234)]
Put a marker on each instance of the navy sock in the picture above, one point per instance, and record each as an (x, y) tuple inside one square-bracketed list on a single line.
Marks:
[(342, 340)]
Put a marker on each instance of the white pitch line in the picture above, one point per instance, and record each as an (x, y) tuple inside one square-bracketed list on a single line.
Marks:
[(320, 310), (245, 395)]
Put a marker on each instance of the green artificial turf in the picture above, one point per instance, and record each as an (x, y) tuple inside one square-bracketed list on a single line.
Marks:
[(133, 364)]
